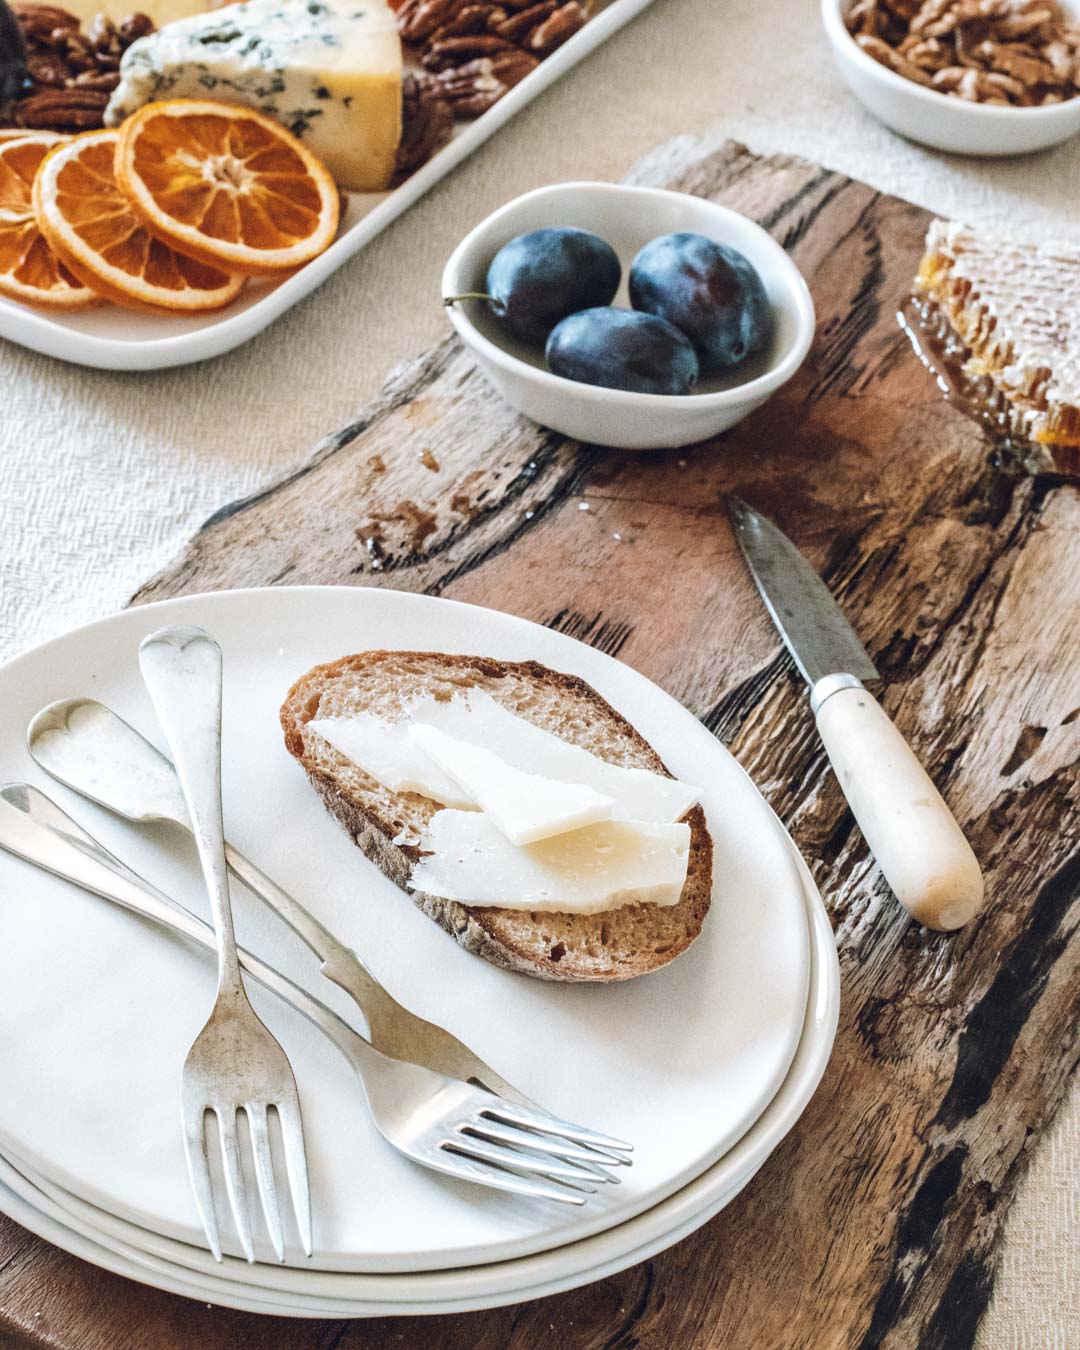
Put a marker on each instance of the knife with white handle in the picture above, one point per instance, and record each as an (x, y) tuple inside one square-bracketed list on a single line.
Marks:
[(918, 844)]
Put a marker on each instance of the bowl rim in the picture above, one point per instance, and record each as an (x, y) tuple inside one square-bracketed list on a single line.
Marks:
[(832, 12), (755, 390)]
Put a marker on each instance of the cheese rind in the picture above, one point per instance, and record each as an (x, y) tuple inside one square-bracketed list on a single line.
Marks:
[(481, 720), (329, 72), (465, 857), (385, 751), (524, 806)]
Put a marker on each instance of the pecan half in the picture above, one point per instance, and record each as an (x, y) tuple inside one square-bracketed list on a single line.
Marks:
[(38, 22), (106, 80), (553, 32), (418, 19), (427, 122), (478, 85), (467, 21), (518, 26), (62, 110), (450, 52)]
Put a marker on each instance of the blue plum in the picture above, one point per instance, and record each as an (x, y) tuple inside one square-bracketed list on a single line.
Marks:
[(14, 75), (537, 279), (622, 349), (709, 291)]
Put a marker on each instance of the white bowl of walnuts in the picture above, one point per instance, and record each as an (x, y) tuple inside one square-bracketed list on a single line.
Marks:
[(975, 77)]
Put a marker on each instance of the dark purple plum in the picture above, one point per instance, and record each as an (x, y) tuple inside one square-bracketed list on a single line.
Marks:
[(708, 291), (14, 76), (537, 279), (622, 349)]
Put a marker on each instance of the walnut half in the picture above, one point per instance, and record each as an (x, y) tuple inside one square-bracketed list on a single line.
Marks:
[(1022, 53)]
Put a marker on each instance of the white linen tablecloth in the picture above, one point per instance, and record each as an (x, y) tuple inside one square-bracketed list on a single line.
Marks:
[(103, 476)]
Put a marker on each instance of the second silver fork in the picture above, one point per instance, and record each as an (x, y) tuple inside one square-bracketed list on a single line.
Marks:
[(439, 1122), (234, 1065)]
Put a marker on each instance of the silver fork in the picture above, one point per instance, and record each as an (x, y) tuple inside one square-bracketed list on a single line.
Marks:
[(89, 748), (468, 1133), (234, 1064)]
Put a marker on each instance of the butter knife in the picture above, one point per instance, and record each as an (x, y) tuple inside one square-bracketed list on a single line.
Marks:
[(912, 833)]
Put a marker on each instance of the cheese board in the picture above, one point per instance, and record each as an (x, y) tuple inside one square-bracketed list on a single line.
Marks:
[(878, 1223), (109, 338)]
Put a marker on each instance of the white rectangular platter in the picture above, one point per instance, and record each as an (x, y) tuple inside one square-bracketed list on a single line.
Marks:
[(114, 339)]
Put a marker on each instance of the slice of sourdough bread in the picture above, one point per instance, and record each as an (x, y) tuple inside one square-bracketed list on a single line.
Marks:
[(614, 945)]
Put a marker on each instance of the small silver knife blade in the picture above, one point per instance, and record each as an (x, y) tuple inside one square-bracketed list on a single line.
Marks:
[(809, 620)]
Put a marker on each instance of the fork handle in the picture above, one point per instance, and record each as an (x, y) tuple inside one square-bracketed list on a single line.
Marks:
[(382, 1012), (34, 828), (181, 667)]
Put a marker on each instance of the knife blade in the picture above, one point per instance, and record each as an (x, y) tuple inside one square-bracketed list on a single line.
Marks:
[(809, 620), (918, 844)]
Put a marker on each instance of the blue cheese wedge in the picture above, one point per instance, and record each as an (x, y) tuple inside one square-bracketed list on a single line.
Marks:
[(329, 72)]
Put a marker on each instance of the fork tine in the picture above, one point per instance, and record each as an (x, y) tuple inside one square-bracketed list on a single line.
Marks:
[(292, 1135), (264, 1174), (194, 1121), (532, 1165), (460, 1163), (234, 1182), (537, 1119), (552, 1145)]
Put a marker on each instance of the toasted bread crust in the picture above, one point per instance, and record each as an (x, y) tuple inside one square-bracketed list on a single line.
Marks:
[(616, 945)]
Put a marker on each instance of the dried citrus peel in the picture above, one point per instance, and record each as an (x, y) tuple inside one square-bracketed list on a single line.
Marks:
[(226, 185), (29, 269), (91, 227)]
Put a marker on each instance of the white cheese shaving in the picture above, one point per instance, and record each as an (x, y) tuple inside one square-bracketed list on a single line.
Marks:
[(601, 867), (524, 806), (478, 719), (386, 752)]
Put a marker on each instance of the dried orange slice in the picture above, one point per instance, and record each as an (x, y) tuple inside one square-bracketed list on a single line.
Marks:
[(95, 233), (29, 270), (227, 185), (23, 134)]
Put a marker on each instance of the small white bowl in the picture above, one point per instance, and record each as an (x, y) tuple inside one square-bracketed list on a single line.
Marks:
[(937, 120), (627, 217)]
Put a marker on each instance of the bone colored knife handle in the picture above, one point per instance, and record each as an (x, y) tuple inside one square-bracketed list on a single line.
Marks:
[(904, 819)]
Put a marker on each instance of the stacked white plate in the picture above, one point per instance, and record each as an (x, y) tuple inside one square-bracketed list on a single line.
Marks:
[(704, 1065)]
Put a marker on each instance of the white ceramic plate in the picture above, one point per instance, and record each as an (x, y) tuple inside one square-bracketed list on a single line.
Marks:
[(24, 1203), (681, 1062), (127, 1250), (110, 338)]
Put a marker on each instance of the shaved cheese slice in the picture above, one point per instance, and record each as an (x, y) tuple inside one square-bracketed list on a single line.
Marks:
[(478, 719), (524, 806), (386, 752), (465, 857)]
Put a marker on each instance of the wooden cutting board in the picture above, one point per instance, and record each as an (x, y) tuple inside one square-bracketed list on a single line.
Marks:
[(877, 1221)]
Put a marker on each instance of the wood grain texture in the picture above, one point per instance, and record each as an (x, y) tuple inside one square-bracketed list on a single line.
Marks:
[(875, 1224)]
